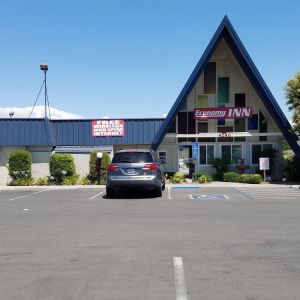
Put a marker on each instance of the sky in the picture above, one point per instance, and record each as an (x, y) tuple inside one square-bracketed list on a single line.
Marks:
[(123, 59)]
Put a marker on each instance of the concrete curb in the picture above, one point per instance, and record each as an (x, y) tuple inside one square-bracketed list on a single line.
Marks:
[(50, 187)]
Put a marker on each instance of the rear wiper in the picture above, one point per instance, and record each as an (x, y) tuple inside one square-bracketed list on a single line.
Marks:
[(125, 161)]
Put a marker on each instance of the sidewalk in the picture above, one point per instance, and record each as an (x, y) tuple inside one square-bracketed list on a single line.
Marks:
[(214, 184)]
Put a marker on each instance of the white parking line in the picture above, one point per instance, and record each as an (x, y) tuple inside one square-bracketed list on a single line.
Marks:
[(180, 286), (24, 196), (169, 193), (93, 197)]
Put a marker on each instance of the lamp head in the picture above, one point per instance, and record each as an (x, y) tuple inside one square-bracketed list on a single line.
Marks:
[(44, 67), (99, 155)]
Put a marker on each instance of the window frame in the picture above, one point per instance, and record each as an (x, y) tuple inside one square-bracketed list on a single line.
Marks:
[(261, 146), (206, 144), (232, 144)]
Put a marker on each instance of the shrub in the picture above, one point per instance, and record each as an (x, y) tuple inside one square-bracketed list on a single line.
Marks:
[(70, 180), (84, 180), (24, 181), (205, 177), (251, 178), (231, 177), (42, 181), (61, 165), (222, 166), (19, 164), (177, 178), (292, 167), (93, 173), (105, 161)]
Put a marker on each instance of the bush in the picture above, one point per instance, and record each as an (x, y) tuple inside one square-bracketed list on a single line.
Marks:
[(19, 164), (93, 174), (70, 180), (251, 178), (61, 165), (204, 177), (222, 166), (231, 177), (24, 181), (292, 167), (42, 181), (84, 180), (177, 178)]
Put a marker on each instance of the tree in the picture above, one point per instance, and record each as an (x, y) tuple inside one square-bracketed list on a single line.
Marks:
[(292, 94)]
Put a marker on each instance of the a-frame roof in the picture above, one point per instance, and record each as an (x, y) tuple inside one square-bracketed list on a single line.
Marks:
[(227, 32)]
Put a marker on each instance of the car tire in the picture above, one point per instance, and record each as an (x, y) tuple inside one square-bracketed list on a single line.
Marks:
[(109, 193), (163, 185), (158, 192)]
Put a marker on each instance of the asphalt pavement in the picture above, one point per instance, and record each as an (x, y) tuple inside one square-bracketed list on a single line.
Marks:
[(192, 243)]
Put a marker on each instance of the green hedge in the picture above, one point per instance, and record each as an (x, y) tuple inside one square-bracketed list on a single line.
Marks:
[(243, 178), (61, 165), (19, 164), (251, 178), (231, 177)]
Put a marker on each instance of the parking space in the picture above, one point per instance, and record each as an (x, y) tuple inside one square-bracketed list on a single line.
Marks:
[(78, 244)]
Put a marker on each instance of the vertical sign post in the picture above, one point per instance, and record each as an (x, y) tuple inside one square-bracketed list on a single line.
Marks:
[(264, 165)]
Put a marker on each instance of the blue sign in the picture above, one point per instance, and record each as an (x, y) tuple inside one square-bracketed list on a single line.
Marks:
[(195, 150)]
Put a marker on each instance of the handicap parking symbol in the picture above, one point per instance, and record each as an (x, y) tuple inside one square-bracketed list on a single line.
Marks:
[(208, 197)]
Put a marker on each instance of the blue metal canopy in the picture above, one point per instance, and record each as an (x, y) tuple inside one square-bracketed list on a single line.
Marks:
[(45, 132)]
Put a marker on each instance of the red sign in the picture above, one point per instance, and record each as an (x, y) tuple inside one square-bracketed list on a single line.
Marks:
[(108, 128), (223, 113)]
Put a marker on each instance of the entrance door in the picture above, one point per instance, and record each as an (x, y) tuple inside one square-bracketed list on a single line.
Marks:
[(186, 164)]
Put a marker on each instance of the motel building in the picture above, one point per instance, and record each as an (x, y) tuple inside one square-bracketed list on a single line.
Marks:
[(225, 109)]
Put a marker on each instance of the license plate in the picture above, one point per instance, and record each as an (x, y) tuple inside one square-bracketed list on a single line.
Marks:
[(130, 171)]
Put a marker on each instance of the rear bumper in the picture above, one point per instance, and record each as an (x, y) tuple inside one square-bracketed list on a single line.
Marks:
[(138, 182)]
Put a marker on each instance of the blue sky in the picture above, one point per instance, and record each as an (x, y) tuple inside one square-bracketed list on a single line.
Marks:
[(131, 58)]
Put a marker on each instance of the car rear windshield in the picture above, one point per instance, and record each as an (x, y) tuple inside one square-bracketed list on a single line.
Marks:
[(132, 157)]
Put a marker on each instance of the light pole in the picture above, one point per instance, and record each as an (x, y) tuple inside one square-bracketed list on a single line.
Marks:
[(44, 68), (99, 158)]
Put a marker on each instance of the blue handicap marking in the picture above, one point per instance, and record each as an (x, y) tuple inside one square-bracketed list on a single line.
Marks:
[(208, 197), (185, 186)]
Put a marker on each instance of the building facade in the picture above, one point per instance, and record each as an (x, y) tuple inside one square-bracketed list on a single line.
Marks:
[(224, 110)]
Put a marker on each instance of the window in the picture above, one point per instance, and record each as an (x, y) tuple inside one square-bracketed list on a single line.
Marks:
[(239, 126), (233, 153), (257, 150), (253, 122), (202, 127), (182, 122), (206, 154), (236, 151), (221, 122), (226, 152), (210, 78), (240, 100), (172, 128), (162, 155), (223, 90), (132, 157), (202, 101), (263, 126)]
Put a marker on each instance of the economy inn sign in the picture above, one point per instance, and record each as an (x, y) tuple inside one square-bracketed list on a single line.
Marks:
[(223, 113)]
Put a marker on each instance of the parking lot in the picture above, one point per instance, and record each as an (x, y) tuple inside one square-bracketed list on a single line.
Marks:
[(192, 243)]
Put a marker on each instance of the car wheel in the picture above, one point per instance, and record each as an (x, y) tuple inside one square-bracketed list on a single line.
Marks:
[(158, 192), (163, 185), (109, 193)]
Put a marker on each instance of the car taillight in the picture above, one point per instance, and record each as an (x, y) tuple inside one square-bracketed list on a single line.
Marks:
[(113, 167), (151, 167)]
